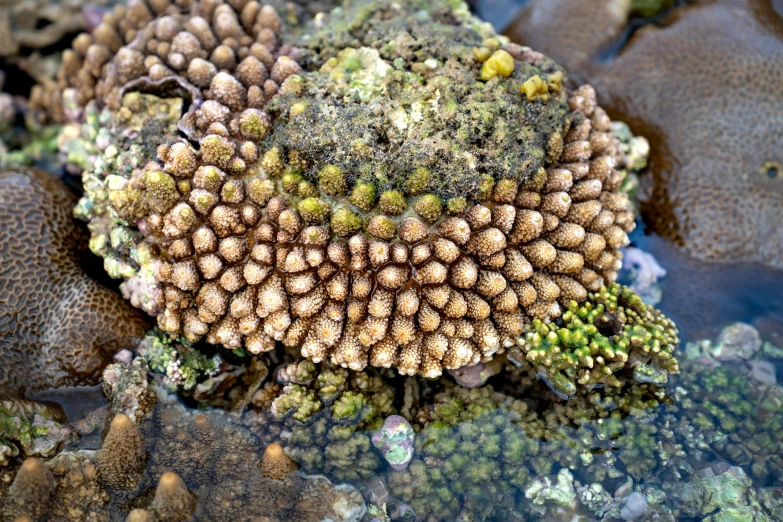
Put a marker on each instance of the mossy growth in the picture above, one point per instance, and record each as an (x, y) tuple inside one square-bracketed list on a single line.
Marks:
[(414, 114)]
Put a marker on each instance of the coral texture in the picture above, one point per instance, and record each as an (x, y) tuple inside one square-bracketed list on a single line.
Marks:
[(42, 23), (716, 153), (58, 327), (414, 205), (330, 415), (202, 466)]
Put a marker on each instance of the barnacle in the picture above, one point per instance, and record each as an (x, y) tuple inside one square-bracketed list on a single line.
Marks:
[(308, 206)]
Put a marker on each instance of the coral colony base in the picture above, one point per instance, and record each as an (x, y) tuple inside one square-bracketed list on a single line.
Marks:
[(388, 184)]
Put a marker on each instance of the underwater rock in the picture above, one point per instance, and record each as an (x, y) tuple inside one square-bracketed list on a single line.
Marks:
[(561, 493), (200, 463), (127, 389), (328, 419), (178, 366), (634, 507), (395, 441), (763, 372), (472, 376), (715, 169), (644, 272), (58, 327), (330, 169), (736, 341)]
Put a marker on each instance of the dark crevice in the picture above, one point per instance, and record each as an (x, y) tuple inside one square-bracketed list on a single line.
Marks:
[(635, 23), (17, 81)]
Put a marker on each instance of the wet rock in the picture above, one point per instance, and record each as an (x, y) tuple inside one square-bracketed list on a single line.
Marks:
[(736, 341), (763, 372), (128, 390), (472, 376), (643, 271), (395, 441), (635, 507)]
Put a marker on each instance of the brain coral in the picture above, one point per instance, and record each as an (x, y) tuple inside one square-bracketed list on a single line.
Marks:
[(58, 327), (379, 188), (708, 99)]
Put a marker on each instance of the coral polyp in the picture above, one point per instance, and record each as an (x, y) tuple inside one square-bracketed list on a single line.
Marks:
[(396, 195)]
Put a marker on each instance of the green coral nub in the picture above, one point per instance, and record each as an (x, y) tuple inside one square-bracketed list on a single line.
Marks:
[(429, 207), (418, 181), (345, 222), (392, 202), (332, 181), (313, 210), (363, 195)]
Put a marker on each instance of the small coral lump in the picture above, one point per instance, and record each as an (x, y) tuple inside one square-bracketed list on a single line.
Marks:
[(406, 207)]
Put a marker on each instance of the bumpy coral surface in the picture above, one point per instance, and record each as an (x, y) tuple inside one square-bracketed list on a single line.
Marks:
[(58, 327), (409, 193), (175, 465), (330, 414), (716, 151), (41, 23)]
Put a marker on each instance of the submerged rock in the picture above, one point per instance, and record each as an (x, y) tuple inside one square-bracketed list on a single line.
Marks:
[(395, 441), (201, 465)]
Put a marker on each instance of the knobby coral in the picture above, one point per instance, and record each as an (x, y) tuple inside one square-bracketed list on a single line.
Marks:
[(715, 184), (41, 23), (410, 192), (175, 465), (58, 327)]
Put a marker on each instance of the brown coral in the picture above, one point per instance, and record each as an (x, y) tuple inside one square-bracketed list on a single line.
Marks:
[(30, 493), (42, 23), (715, 184), (122, 459), (255, 251), (58, 327)]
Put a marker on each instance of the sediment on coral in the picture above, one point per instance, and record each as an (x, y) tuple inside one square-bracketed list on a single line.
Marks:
[(414, 205)]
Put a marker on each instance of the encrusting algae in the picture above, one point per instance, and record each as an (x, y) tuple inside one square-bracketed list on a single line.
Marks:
[(412, 192)]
